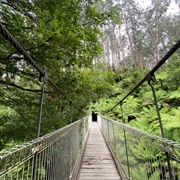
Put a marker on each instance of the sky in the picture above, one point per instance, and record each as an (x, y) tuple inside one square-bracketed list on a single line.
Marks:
[(172, 9), (144, 3)]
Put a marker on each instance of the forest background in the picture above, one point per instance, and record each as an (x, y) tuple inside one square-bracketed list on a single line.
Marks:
[(95, 51)]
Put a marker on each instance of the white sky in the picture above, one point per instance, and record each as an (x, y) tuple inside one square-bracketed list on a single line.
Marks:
[(173, 8), (144, 3)]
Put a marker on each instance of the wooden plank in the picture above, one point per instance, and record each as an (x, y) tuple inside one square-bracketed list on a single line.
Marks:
[(97, 162)]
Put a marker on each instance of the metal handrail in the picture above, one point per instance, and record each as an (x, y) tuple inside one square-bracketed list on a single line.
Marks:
[(44, 157), (146, 152)]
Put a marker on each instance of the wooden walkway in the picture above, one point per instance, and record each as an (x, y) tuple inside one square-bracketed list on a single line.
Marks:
[(97, 162)]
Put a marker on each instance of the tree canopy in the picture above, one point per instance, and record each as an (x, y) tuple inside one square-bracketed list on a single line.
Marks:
[(63, 39)]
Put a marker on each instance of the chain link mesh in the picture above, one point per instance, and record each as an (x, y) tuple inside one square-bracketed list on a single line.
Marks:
[(146, 152), (51, 157)]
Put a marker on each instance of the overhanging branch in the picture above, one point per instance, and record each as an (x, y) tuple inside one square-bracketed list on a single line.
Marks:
[(24, 89)]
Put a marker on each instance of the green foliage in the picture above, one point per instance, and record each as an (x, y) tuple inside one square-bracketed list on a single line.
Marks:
[(175, 94), (139, 109), (170, 74), (63, 36)]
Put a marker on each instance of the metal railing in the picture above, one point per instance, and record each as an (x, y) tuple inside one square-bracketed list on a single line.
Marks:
[(139, 154), (54, 156)]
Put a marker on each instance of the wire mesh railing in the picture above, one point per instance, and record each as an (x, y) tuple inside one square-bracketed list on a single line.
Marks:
[(54, 156), (139, 154)]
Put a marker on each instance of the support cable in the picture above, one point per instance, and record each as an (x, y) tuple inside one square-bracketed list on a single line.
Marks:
[(40, 110), (44, 80), (125, 141), (152, 79), (150, 82), (27, 57), (152, 71)]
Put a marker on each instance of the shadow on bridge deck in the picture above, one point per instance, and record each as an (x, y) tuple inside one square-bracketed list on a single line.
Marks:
[(97, 162)]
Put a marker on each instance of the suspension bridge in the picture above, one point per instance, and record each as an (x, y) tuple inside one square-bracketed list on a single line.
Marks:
[(94, 147)]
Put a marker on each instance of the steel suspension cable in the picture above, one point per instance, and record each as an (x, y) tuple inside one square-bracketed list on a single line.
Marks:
[(125, 142), (27, 57), (150, 73)]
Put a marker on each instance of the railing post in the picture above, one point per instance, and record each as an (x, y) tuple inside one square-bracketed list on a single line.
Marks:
[(151, 78), (125, 140), (34, 170), (114, 138), (108, 131), (71, 110), (71, 133)]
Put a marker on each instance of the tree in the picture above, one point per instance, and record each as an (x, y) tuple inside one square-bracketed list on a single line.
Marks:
[(63, 37), (143, 37)]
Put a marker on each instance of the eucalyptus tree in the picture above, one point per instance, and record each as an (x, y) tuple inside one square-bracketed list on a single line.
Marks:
[(153, 18), (110, 40), (143, 37)]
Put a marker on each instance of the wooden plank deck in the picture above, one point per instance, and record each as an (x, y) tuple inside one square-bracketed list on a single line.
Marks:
[(97, 162)]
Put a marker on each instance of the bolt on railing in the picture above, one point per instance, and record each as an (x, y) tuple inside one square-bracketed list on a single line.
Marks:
[(51, 157), (146, 152)]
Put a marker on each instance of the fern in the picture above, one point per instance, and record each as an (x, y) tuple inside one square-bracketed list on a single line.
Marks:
[(174, 94)]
